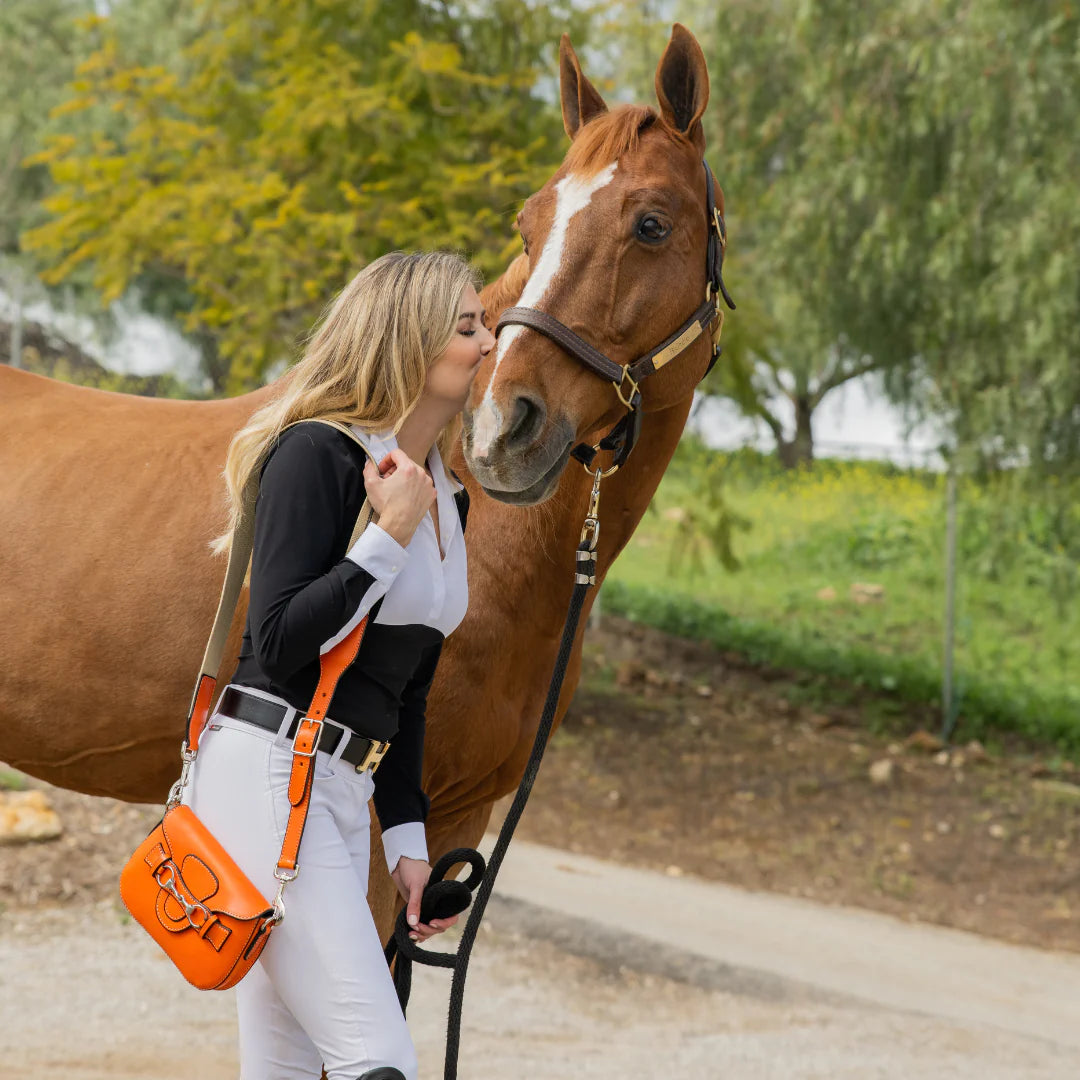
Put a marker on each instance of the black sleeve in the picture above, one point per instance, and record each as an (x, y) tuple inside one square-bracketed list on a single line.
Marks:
[(398, 796), (303, 591)]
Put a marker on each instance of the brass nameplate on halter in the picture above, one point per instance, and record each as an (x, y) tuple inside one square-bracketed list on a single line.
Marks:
[(690, 334)]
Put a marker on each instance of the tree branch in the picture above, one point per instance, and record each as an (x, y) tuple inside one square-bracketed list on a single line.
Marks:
[(839, 376), (772, 423), (774, 380)]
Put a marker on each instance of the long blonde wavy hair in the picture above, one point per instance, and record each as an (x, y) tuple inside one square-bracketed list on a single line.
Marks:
[(365, 362)]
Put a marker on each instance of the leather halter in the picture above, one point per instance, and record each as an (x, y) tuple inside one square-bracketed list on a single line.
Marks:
[(622, 437)]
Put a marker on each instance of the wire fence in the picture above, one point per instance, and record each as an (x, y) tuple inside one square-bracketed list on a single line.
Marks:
[(884, 568)]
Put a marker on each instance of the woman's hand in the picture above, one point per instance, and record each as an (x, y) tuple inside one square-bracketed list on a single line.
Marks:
[(401, 493), (410, 876)]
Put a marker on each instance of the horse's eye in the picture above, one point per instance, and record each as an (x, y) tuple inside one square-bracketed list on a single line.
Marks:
[(652, 230)]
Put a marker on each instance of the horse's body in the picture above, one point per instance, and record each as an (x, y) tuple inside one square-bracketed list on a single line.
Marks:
[(108, 502)]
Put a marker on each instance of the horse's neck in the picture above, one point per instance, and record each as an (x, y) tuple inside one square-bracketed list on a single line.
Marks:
[(530, 550), (555, 526)]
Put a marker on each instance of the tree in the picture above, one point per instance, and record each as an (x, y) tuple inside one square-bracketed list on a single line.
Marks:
[(41, 44), (38, 47), (38, 44), (761, 124), (287, 145), (901, 177), (993, 241)]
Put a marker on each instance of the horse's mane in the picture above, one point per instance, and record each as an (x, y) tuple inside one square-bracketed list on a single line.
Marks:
[(507, 289), (605, 138)]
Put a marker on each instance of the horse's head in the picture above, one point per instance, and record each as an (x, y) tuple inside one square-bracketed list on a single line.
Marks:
[(615, 250)]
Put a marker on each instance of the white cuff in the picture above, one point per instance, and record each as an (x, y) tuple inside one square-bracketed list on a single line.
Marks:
[(409, 840), (378, 553)]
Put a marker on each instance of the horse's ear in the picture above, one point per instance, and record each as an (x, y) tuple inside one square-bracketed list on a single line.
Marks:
[(682, 85), (580, 99)]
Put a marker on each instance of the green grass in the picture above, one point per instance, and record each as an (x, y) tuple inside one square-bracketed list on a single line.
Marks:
[(10, 780), (844, 523)]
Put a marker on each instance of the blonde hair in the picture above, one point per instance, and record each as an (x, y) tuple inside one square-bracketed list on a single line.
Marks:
[(365, 362)]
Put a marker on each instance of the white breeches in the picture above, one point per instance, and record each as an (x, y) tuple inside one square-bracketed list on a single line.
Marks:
[(321, 993)]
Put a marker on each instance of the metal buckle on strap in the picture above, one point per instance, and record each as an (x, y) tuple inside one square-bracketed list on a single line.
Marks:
[(283, 878), (315, 744), (590, 533), (719, 327), (169, 884), (177, 790), (627, 400), (374, 755)]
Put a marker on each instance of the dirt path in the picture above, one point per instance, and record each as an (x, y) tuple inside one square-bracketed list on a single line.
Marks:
[(679, 758), (676, 757), (86, 997)]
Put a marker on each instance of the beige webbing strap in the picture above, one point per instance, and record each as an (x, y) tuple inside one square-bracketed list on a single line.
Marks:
[(235, 572)]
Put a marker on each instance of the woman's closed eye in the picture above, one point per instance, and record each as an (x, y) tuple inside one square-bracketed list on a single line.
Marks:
[(467, 333)]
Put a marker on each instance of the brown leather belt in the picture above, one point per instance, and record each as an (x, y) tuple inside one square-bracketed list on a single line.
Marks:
[(360, 752)]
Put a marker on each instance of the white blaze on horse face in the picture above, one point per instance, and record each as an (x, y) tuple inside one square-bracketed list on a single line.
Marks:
[(572, 194)]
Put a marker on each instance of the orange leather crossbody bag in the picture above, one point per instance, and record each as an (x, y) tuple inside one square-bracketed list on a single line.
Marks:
[(180, 884)]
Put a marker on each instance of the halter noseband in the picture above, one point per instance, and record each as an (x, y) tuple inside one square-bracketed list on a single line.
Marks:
[(627, 377)]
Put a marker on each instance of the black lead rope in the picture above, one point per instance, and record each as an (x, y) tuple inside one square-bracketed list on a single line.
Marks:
[(445, 898)]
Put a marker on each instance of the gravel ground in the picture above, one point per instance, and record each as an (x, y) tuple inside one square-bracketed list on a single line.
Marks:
[(85, 995)]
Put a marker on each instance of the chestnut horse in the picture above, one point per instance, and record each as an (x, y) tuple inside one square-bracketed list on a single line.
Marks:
[(108, 501)]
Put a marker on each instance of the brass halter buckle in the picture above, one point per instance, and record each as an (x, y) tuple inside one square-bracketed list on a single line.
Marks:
[(719, 326), (719, 226), (626, 399)]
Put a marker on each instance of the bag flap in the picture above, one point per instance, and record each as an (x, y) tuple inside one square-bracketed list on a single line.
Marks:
[(208, 871)]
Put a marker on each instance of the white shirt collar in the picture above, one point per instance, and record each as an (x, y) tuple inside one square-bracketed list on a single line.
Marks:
[(382, 442)]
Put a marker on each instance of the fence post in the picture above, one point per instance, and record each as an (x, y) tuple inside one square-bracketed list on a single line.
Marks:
[(17, 322), (948, 705)]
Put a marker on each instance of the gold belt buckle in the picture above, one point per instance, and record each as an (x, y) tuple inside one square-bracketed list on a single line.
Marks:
[(373, 756)]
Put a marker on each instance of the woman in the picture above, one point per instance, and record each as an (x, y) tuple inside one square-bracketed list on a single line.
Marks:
[(394, 357)]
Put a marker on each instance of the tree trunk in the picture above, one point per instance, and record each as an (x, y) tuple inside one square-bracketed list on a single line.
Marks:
[(800, 450)]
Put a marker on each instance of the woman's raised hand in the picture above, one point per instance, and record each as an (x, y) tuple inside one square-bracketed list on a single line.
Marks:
[(401, 493)]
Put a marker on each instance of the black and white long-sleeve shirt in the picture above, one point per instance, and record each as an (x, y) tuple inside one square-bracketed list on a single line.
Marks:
[(308, 590)]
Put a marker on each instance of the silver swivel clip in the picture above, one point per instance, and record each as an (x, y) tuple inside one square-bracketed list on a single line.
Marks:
[(283, 879), (177, 790)]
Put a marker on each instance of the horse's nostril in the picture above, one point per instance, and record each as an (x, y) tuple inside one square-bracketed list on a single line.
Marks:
[(526, 423)]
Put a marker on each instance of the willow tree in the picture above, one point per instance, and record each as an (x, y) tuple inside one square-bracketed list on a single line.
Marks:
[(902, 177)]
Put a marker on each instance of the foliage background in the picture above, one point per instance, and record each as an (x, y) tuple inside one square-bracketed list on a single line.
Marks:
[(901, 202)]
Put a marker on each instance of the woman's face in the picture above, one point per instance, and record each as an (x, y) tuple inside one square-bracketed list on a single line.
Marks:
[(450, 375)]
